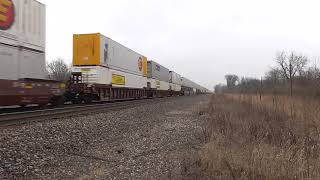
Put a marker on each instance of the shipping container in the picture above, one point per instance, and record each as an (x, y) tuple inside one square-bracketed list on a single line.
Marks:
[(158, 85), (151, 83), (107, 76), (162, 85), (99, 50), (22, 24), (22, 39), (187, 83), (190, 84), (20, 62), (175, 78), (158, 72), (175, 87)]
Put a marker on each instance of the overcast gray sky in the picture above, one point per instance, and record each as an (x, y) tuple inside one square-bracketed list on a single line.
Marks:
[(200, 39)]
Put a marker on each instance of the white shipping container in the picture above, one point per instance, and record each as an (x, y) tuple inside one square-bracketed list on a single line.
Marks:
[(19, 63), (159, 85), (152, 83), (22, 23), (162, 85), (175, 78), (165, 86), (104, 75), (187, 83), (157, 71), (120, 57), (194, 90), (175, 87)]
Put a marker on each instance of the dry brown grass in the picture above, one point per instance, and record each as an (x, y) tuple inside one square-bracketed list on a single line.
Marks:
[(269, 138)]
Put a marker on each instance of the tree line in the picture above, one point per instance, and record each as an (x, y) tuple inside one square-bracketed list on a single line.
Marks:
[(58, 70), (291, 76)]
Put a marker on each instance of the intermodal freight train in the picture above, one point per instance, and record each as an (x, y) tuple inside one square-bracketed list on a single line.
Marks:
[(102, 70)]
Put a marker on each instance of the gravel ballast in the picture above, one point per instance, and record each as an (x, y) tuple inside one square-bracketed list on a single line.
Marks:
[(145, 142)]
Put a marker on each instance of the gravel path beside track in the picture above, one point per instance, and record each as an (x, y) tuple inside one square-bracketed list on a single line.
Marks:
[(147, 142)]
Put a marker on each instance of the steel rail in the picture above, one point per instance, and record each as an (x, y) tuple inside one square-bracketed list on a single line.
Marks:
[(10, 119)]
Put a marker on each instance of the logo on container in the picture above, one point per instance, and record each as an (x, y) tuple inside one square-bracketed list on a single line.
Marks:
[(140, 64), (6, 14)]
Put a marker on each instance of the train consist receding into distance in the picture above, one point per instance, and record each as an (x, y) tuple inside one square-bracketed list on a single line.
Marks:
[(102, 68)]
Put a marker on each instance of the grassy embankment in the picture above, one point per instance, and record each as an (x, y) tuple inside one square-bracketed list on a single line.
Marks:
[(248, 137)]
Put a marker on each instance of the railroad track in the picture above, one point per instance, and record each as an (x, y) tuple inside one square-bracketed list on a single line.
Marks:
[(35, 108), (17, 118)]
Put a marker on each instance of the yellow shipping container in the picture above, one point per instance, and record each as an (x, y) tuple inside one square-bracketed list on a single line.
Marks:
[(86, 49)]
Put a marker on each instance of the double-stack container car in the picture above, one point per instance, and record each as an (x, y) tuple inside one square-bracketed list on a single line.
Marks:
[(106, 69), (22, 39), (102, 60), (188, 87), (175, 82), (158, 76), (22, 55)]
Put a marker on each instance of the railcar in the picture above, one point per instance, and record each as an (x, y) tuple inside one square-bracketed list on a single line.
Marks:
[(104, 69), (31, 91)]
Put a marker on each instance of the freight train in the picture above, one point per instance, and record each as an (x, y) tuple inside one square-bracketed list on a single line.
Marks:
[(102, 69)]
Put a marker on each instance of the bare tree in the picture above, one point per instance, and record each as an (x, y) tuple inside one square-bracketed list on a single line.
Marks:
[(219, 88), (58, 70), (273, 75), (291, 64), (313, 73), (231, 80)]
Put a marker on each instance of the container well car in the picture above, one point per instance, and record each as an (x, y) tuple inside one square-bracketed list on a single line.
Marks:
[(22, 55)]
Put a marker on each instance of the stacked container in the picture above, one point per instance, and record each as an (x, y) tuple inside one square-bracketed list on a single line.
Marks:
[(175, 81), (158, 76), (102, 60), (22, 39), (188, 86)]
